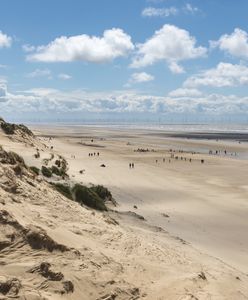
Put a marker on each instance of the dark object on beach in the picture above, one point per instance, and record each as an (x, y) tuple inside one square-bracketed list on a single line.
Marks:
[(51, 147), (165, 215), (202, 276), (202, 161), (82, 171), (102, 165), (58, 163), (135, 207)]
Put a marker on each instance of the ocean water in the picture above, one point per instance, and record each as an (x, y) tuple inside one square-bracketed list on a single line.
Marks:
[(211, 128)]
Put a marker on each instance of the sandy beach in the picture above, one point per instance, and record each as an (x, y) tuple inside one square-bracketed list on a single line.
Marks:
[(206, 203), (195, 206)]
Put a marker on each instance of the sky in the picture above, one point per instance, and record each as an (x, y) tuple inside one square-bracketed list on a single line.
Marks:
[(124, 60)]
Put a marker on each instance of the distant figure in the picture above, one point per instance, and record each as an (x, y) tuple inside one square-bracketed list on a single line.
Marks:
[(132, 165), (94, 153), (156, 161), (89, 154), (92, 141), (190, 160), (202, 161), (163, 159), (97, 153)]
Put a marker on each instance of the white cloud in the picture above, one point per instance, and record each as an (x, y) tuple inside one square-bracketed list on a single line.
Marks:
[(184, 92), (114, 43), (3, 91), (190, 8), (141, 77), (170, 44), (235, 44), (159, 12), (176, 68), (64, 76), (28, 48), (224, 75), (42, 101), (39, 73), (5, 40)]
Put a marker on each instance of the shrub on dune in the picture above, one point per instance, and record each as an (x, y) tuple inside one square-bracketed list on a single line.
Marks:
[(35, 170), (64, 189), (88, 197), (46, 172)]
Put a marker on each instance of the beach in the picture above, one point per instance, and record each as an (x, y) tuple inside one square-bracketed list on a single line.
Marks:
[(206, 203), (178, 231)]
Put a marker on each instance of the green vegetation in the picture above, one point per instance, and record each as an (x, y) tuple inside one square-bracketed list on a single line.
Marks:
[(88, 197), (83, 195), (46, 172), (102, 192), (35, 170), (64, 189), (55, 170), (8, 128)]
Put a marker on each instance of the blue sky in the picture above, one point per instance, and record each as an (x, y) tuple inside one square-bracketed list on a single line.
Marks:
[(60, 59)]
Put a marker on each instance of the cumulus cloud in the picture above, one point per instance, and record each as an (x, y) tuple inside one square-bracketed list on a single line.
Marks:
[(43, 101), (39, 73), (176, 68), (5, 40), (114, 43), (184, 92), (235, 43), (3, 92), (170, 44), (141, 77), (64, 76), (159, 12), (224, 75)]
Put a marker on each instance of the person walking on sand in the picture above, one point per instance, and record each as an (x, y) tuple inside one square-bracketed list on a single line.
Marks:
[(133, 165), (130, 166)]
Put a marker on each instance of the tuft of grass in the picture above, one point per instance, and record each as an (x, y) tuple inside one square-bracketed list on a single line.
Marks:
[(88, 197), (55, 170), (46, 171), (8, 128), (102, 192), (64, 189), (35, 170)]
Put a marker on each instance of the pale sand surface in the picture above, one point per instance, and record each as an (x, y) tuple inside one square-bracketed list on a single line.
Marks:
[(207, 205)]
